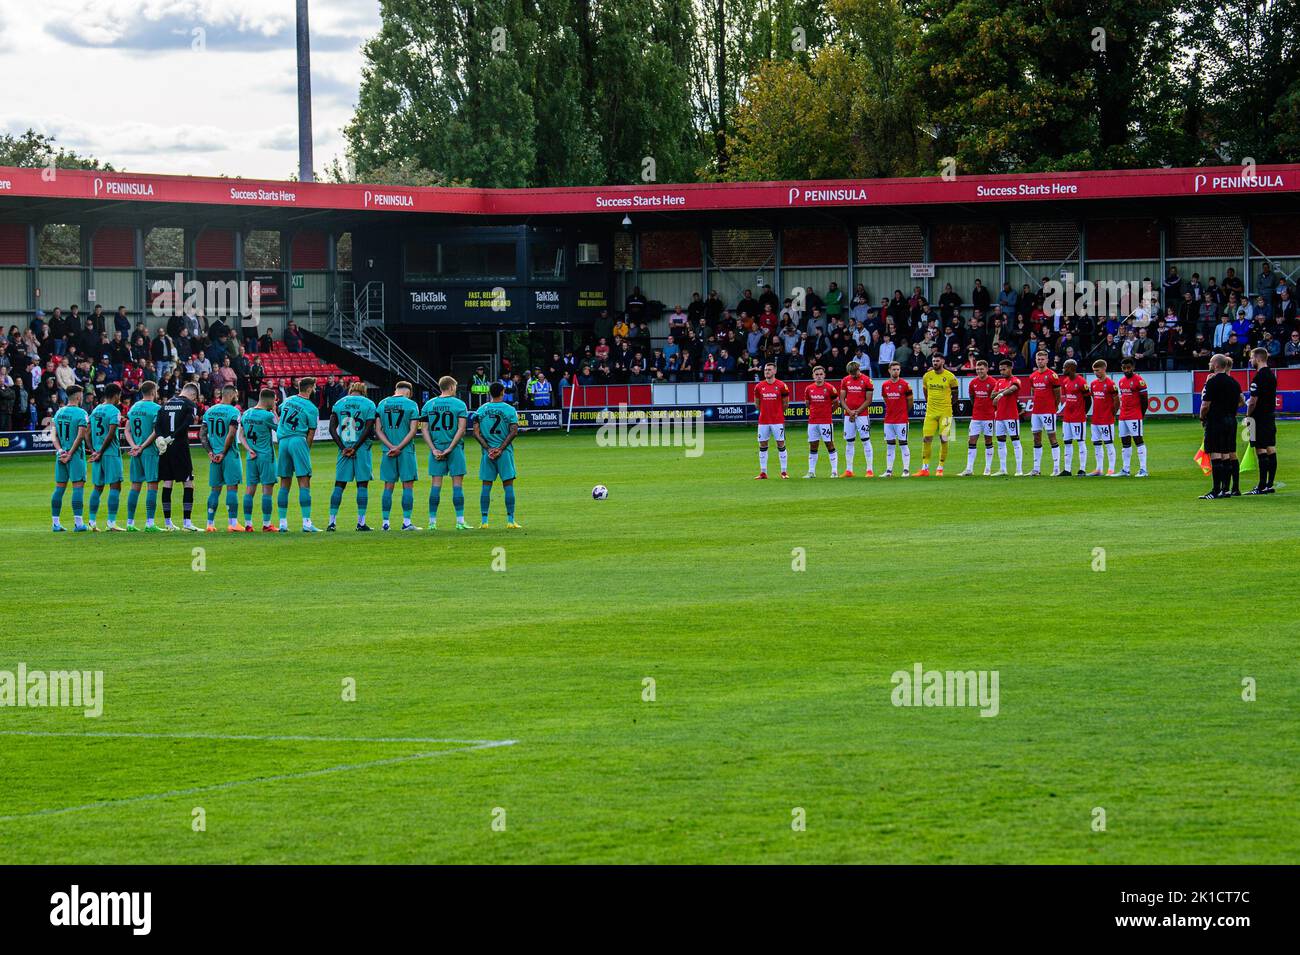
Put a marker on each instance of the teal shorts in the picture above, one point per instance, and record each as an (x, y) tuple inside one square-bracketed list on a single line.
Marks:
[(107, 470), (453, 465), (260, 470), (402, 468), (228, 473), (503, 467), (74, 472), (294, 459), (359, 468), (144, 467)]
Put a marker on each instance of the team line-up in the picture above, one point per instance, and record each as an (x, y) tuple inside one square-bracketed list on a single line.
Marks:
[(995, 412), (241, 449)]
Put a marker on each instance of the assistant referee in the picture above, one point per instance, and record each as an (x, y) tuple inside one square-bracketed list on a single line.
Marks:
[(1220, 399), (1263, 426)]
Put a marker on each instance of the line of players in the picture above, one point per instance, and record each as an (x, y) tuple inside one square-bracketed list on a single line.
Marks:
[(1066, 399), (240, 447)]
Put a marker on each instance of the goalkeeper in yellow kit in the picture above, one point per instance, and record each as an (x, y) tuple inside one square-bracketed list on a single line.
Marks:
[(941, 388)]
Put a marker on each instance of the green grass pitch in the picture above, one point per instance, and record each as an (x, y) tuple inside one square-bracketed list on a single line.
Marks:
[(1120, 689)]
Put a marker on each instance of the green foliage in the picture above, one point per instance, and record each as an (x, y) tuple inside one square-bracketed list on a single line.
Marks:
[(35, 150)]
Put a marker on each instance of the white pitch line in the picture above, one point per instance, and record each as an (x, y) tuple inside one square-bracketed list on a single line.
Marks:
[(235, 737), (218, 787)]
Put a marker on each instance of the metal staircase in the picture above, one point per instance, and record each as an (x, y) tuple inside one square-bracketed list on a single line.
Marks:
[(357, 324)]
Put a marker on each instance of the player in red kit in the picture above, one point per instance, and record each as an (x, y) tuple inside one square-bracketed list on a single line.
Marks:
[(821, 399), (771, 397), (855, 399), (1075, 398), (1006, 417), (981, 390), (898, 408), (1045, 402), (1105, 406), (1132, 414)]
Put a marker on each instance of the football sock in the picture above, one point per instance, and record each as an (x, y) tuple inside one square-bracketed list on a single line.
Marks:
[(925, 455), (266, 506), (304, 503), (248, 507), (485, 501), (1098, 454), (363, 501), (282, 504), (386, 503), (867, 452), (1056, 458), (1038, 459), (889, 457), (762, 460), (336, 501), (988, 457), (510, 503), (94, 504), (408, 502), (943, 451), (56, 502), (458, 501), (1216, 469), (835, 462), (213, 496), (167, 503), (970, 459), (1110, 456), (187, 501), (1142, 457), (1069, 456), (76, 502), (150, 504), (812, 462), (114, 499), (1002, 455), (1128, 456), (907, 457), (1020, 455), (232, 504), (1234, 470), (132, 502), (435, 498), (783, 458), (850, 448), (1268, 469)]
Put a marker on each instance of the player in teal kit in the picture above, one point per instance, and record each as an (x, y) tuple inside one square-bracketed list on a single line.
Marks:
[(140, 434), (444, 420), (352, 424), (496, 424), (256, 427), (71, 425), (106, 456), (220, 428), (297, 431), (398, 416)]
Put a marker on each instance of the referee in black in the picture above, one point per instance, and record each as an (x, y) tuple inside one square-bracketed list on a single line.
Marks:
[(1263, 426), (1220, 399)]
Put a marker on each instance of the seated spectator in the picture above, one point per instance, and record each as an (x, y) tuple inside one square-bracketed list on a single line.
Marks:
[(292, 338)]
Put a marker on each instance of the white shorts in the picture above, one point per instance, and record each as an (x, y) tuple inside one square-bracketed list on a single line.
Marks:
[(1007, 429), (1072, 431), (859, 427), (820, 432), (978, 428), (895, 432), (1103, 433), (1042, 422), (1130, 429), (770, 432)]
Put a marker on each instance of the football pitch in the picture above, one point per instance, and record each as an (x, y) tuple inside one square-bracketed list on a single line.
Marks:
[(699, 669)]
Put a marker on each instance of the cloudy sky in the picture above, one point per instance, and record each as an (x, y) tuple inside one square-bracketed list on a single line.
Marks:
[(132, 82)]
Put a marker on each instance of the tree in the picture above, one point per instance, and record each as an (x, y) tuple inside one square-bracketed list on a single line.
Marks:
[(34, 150)]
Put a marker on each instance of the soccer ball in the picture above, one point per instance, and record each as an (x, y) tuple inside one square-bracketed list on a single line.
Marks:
[(600, 492)]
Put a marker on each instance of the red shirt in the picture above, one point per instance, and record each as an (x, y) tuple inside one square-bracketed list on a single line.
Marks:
[(1072, 392), (1008, 405), (1132, 398), (768, 396), (1042, 386), (856, 391), (1103, 400), (981, 394), (821, 402), (898, 401)]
